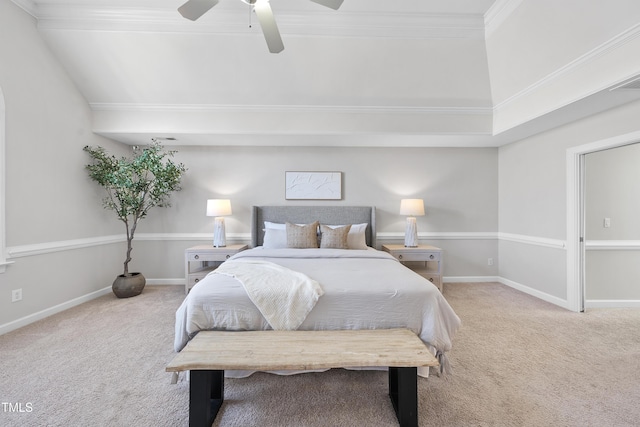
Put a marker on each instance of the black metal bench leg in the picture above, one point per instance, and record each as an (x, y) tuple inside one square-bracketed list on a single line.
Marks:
[(206, 394), (403, 391)]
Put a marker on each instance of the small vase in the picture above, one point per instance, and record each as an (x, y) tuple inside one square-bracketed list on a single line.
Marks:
[(128, 286)]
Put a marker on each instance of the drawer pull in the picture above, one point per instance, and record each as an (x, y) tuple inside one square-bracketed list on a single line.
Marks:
[(228, 256), (197, 257), (431, 279), (400, 256), (197, 280), (431, 256)]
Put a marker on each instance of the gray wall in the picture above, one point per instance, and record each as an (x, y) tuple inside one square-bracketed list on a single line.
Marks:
[(533, 199), (459, 187), (612, 187), (535, 77), (612, 190), (48, 196)]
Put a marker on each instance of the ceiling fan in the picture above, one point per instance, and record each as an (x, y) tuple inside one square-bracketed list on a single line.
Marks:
[(194, 9)]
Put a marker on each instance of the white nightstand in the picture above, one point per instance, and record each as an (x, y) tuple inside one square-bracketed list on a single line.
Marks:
[(203, 259), (424, 259)]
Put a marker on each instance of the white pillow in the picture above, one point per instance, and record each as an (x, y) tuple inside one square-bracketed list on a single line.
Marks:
[(274, 238), (356, 239), (274, 225)]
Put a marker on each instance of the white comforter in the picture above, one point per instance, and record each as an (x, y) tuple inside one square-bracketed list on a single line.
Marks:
[(363, 289)]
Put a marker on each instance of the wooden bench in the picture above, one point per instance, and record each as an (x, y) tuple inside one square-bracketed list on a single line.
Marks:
[(210, 353)]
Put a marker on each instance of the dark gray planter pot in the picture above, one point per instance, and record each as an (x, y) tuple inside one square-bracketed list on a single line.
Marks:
[(128, 286)]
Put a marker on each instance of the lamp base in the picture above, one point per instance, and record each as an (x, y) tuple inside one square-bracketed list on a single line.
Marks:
[(219, 234), (411, 233)]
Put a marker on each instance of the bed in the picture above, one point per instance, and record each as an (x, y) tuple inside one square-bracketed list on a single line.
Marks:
[(357, 287)]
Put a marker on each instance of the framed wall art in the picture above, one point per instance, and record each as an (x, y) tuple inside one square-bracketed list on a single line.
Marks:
[(313, 185)]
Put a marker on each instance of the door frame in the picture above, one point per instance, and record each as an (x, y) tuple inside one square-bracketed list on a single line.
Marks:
[(575, 213)]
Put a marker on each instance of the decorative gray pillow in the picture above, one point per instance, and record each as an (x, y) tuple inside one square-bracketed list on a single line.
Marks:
[(356, 238), (302, 236), (334, 237)]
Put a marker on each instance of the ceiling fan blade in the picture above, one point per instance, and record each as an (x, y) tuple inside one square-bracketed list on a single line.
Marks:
[(333, 4), (268, 25), (194, 9)]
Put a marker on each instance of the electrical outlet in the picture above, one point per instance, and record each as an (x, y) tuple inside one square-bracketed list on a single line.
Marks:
[(490, 261), (607, 223), (16, 295)]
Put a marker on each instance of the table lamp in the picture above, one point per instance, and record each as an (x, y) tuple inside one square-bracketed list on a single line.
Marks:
[(218, 208), (411, 208)]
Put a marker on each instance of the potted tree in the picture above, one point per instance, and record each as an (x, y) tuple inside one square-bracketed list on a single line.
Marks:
[(134, 185)]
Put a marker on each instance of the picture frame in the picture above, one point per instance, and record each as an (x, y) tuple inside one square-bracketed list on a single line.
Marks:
[(301, 185)]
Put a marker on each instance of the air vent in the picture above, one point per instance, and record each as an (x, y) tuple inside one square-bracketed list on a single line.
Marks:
[(633, 84)]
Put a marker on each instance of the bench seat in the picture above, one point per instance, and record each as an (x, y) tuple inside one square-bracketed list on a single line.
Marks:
[(210, 353)]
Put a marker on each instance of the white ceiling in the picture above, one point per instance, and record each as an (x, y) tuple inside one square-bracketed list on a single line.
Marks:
[(373, 73)]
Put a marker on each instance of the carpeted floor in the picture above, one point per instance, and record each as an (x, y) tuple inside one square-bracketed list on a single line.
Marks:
[(517, 361)]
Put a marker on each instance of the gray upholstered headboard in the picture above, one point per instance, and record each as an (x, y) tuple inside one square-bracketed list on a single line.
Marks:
[(330, 215)]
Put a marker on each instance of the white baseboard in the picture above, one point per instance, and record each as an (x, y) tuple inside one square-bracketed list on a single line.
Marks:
[(166, 282), (510, 283), (470, 279), (8, 327), (24, 321), (610, 303), (535, 293), (564, 303)]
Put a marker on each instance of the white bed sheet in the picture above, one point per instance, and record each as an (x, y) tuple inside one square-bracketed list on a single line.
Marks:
[(363, 289)]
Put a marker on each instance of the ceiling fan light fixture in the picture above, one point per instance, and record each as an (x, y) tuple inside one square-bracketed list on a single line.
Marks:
[(194, 9)]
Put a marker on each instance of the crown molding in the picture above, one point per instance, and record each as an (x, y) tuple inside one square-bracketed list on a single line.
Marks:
[(603, 49), (208, 108), (606, 48), (105, 17), (28, 6), (498, 13), (210, 124)]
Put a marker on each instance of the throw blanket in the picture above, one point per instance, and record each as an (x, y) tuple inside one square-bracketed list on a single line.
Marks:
[(283, 296)]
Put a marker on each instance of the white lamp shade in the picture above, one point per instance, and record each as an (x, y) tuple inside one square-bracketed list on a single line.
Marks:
[(218, 207), (412, 207)]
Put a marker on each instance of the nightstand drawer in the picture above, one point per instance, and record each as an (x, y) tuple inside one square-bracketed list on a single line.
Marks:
[(416, 256), (201, 260), (431, 276), (426, 260), (204, 256), (195, 278)]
